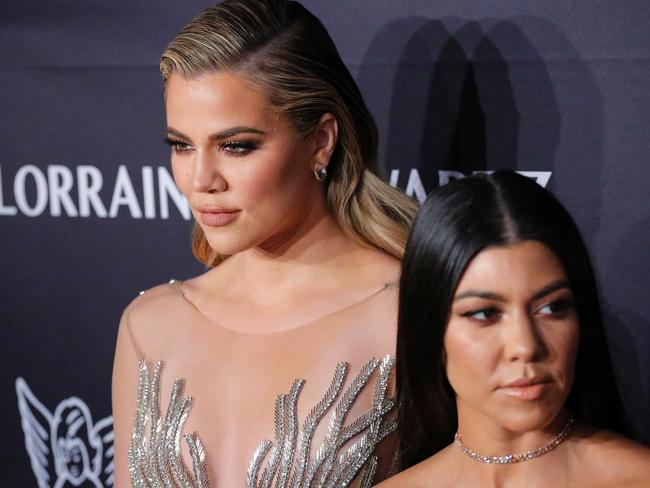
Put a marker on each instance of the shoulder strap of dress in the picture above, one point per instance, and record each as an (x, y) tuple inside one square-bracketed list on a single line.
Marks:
[(173, 285), (127, 325)]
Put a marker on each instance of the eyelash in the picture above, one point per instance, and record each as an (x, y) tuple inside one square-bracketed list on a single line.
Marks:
[(176, 145), (233, 148), (562, 306), (472, 314)]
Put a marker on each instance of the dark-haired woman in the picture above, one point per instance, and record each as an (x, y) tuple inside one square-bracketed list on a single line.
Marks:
[(274, 149), (503, 373)]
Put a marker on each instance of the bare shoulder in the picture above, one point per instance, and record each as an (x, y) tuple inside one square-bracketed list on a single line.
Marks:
[(435, 467), (613, 457), (148, 303), (381, 267), (149, 317), (378, 271)]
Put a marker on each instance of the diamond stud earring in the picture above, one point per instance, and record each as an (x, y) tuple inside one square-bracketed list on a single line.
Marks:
[(320, 171)]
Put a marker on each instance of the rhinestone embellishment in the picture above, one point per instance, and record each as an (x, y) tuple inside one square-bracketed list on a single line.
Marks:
[(155, 451), (516, 458)]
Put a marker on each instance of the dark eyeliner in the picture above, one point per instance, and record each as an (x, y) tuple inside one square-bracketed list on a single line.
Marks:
[(240, 144), (178, 148), (238, 148), (563, 304), (173, 142), (559, 307), (490, 313)]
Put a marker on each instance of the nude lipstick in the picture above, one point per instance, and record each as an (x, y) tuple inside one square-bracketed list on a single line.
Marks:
[(217, 216), (526, 389)]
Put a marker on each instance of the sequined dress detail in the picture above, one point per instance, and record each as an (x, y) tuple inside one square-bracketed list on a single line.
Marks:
[(291, 460)]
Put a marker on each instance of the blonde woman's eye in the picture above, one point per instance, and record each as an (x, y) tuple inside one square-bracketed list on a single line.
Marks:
[(238, 148), (178, 147)]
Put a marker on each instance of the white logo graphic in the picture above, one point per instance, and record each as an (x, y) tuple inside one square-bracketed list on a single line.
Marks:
[(75, 192), (415, 187), (65, 448)]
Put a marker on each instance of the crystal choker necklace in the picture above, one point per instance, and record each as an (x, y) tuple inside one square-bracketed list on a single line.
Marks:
[(516, 458)]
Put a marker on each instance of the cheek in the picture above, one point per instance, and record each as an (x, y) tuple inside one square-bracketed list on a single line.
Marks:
[(469, 362), (260, 188), (271, 187), (566, 349), (182, 176)]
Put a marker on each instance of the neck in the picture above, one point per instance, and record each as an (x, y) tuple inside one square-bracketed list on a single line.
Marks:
[(306, 257), (486, 437)]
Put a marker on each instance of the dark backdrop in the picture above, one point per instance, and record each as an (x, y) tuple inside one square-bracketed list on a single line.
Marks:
[(89, 215)]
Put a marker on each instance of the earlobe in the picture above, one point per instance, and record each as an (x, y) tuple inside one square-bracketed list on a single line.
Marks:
[(320, 171), (325, 138)]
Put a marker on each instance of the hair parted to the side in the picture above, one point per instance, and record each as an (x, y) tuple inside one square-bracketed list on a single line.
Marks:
[(457, 222), (284, 49)]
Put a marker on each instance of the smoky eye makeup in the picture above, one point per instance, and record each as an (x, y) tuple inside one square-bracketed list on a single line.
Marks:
[(557, 307), (238, 147), (177, 146), (232, 147), (478, 309), (483, 314)]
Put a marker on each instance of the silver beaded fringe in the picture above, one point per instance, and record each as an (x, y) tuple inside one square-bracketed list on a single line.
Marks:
[(155, 459)]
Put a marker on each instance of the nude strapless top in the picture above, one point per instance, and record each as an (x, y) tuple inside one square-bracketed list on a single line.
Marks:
[(291, 460)]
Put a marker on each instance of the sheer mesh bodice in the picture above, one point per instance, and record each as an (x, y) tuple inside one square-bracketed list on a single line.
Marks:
[(248, 413)]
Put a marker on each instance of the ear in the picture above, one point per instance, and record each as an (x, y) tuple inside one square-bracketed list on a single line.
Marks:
[(324, 138)]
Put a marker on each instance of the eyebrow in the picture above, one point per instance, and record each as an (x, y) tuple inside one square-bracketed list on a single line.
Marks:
[(488, 295), (218, 135)]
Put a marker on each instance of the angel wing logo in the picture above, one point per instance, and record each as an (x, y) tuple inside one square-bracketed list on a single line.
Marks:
[(65, 448)]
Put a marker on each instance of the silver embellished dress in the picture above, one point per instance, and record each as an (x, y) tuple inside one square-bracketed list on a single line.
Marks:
[(346, 452)]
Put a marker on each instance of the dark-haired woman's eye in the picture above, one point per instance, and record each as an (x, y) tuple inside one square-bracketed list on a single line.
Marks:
[(556, 308), (483, 314), (238, 148), (178, 147)]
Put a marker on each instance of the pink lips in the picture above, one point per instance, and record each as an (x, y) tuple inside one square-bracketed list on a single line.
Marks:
[(526, 389), (217, 216)]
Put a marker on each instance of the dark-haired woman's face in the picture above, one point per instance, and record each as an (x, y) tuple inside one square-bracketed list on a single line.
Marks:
[(512, 338)]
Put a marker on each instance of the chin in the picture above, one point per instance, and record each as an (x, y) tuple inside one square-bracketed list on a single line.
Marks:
[(228, 245), (536, 417)]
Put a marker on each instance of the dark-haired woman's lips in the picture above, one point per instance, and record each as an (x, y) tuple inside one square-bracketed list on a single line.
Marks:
[(526, 389), (217, 217)]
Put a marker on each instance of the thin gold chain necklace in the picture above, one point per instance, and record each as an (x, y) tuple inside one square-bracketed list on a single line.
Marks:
[(516, 458)]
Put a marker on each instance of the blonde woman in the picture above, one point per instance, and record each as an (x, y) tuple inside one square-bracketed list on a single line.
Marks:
[(275, 151)]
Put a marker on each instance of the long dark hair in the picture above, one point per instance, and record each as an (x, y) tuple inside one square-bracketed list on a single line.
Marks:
[(455, 223)]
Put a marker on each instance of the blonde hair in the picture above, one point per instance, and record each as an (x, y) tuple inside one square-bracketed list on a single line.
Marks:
[(283, 48)]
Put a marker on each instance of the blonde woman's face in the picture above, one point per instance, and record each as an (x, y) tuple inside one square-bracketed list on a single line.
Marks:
[(245, 172), (512, 338)]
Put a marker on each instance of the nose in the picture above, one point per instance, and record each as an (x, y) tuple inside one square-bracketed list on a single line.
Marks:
[(522, 340), (207, 177)]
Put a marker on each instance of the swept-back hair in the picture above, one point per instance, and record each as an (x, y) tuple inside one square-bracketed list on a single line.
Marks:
[(285, 50), (456, 222)]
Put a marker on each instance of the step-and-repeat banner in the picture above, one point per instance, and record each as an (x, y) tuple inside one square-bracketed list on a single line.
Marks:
[(89, 213)]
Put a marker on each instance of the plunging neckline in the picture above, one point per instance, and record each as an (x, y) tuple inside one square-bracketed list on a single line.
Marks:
[(178, 284)]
